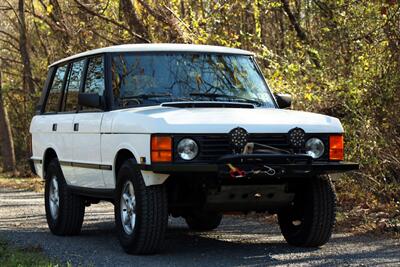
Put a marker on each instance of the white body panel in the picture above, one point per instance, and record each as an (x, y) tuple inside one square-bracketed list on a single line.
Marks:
[(138, 144), (43, 137), (102, 135), (159, 119), (87, 150)]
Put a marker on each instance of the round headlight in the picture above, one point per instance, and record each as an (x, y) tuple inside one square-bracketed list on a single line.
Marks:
[(187, 149), (315, 147)]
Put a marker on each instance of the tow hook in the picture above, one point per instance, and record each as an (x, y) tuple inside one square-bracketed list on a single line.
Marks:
[(268, 171)]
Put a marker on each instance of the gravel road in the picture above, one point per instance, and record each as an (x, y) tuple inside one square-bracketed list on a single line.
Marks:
[(239, 241)]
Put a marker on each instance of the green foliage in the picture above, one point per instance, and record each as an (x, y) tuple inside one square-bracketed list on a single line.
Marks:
[(12, 257)]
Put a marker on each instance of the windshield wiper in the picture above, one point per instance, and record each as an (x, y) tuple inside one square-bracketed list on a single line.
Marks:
[(140, 97), (146, 96), (230, 97)]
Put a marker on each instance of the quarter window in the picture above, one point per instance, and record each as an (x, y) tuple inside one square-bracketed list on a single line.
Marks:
[(53, 98), (73, 86)]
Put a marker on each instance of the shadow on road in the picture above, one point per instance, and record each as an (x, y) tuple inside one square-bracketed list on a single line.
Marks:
[(239, 241)]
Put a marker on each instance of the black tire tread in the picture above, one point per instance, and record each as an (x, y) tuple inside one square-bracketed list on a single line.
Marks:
[(152, 222), (323, 216), (72, 207)]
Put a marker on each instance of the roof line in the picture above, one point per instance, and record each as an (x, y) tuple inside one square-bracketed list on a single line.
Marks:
[(160, 47)]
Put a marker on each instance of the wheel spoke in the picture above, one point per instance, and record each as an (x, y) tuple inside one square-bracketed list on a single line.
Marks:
[(126, 200), (126, 218), (132, 217), (54, 199), (131, 191), (128, 207)]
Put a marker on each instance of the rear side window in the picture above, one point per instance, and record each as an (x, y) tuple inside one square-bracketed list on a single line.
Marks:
[(54, 95), (73, 86)]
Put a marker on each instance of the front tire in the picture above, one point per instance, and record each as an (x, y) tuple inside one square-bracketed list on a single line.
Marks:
[(310, 220), (64, 210), (203, 220), (141, 212)]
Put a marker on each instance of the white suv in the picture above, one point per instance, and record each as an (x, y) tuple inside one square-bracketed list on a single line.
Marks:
[(181, 130)]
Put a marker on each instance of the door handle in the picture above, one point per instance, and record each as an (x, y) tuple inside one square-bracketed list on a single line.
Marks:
[(76, 127), (54, 127)]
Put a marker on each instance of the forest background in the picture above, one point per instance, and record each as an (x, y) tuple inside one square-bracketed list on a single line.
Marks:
[(336, 57)]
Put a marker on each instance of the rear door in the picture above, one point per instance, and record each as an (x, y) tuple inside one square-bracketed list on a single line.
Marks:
[(51, 126), (87, 124)]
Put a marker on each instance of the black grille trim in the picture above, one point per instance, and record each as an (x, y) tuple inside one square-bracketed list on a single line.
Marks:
[(213, 146)]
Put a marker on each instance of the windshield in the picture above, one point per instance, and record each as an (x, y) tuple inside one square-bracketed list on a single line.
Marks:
[(154, 78)]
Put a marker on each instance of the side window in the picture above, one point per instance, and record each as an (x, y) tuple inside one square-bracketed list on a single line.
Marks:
[(53, 98), (73, 85), (94, 82), (95, 76)]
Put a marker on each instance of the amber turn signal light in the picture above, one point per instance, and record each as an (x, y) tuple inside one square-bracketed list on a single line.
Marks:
[(336, 147), (161, 149)]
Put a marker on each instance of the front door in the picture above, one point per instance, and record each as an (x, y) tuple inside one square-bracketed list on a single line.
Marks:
[(87, 123)]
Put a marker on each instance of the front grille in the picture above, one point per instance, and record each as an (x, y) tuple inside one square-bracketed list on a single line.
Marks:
[(213, 146)]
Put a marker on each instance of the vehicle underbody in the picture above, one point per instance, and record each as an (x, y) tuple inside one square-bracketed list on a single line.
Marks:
[(256, 182)]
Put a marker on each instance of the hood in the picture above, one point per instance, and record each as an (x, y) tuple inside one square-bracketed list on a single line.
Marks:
[(158, 119)]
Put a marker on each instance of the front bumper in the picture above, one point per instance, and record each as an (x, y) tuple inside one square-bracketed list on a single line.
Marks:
[(283, 164)]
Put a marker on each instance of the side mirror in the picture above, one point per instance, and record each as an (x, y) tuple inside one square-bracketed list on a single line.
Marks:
[(283, 100), (89, 100)]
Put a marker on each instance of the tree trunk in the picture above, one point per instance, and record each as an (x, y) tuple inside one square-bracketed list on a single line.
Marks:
[(27, 78), (131, 18), (299, 31), (27, 85), (164, 14), (6, 141)]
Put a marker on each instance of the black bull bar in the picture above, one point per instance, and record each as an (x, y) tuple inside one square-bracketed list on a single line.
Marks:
[(276, 164)]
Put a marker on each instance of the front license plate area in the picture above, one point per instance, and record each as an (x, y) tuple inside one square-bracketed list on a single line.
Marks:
[(243, 171)]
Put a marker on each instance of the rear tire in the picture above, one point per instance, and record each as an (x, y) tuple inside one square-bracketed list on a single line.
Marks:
[(141, 212), (203, 220), (64, 210), (309, 222)]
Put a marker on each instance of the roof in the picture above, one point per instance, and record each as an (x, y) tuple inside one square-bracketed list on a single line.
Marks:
[(160, 48)]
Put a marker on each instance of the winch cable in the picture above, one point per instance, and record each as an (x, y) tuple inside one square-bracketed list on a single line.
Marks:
[(235, 172), (273, 148)]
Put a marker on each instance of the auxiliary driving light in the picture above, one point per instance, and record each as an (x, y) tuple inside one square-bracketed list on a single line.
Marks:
[(238, 138), (188, 149), (297, 137), (315, 147)]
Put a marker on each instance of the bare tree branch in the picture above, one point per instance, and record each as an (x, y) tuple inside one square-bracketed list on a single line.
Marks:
[(9, 35), (116, 23), (11, 60), (170, 20), (11, 44)]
